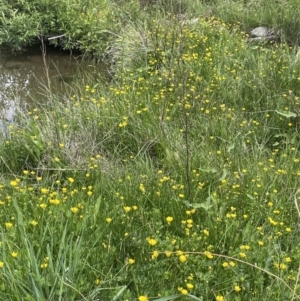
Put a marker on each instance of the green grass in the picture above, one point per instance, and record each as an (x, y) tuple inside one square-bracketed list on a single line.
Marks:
[(177, 179)]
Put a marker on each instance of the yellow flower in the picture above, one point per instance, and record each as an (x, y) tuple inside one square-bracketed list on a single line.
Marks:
[(151, 241), (205, 232), (33, 223), (44, 190), (13, 183), (272, 222), (108, 220), (123, 124), (8, 225), (237, 288), (143, 298), (288, 259), (243, 255), (219, 298), (131, 261), (127, 208), (54, 201), (208, 255), (184, 292), (74, 209), (182, 258), (142, 188), (98, 281), (155, 255), (189, 286), (225, 264), (231, 263), (71, 180), (1, 264), (168, 253), (14, 254), (282, 266), (169, 219), (244, 247)]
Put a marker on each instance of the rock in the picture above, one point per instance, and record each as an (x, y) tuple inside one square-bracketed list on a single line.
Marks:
[(190, 22), (260, 31)]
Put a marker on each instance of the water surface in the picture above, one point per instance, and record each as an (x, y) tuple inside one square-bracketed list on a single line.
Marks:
[(26, 76)]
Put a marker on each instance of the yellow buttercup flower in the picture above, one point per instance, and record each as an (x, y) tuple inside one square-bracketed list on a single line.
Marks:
[(151, 241), (169, 219), (237, 288), (182, 258), (189, 285), (74, 209), (208, 255), (8, 225)]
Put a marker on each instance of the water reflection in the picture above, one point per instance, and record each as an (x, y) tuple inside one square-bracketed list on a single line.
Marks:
[(25, 76)]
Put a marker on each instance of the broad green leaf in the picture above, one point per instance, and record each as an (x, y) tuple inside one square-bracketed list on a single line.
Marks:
[(119, 293), (223, 175), (194, 297), (250, 197), (286, 114)]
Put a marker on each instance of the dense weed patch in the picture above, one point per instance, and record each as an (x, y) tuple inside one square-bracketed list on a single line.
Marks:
[(179, 178)]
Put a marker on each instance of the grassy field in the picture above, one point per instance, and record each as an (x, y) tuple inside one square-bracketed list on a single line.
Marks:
[(177, 178)]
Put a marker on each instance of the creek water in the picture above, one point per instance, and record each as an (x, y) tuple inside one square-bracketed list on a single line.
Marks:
[(25, 76)]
